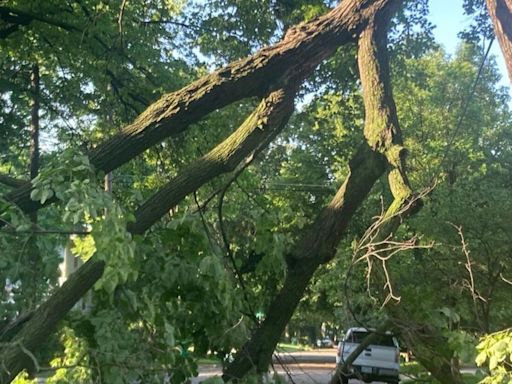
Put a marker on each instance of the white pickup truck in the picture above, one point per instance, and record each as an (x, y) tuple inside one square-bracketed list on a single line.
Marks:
[(380, 361)]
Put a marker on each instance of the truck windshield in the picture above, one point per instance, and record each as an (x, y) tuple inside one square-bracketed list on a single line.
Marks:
[(358, 336)]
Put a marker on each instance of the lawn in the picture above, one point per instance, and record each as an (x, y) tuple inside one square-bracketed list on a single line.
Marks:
[(417, 374), (284, 347)]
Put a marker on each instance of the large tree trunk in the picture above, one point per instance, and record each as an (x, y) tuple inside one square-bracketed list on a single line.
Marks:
[(500, 12), (316, 247), (319, 244)]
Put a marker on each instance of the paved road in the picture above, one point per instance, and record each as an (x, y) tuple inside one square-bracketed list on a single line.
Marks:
[(317, 356), (314, 367)]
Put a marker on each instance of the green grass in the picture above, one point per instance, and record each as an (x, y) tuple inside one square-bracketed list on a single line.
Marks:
[(417, 374), (283, 347), (208, 361), (471, 379)]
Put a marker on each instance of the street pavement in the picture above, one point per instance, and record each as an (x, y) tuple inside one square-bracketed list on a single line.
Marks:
[(309, 367)]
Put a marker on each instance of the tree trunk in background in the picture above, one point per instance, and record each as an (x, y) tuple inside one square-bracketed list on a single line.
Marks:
[(34, 128), (30, 280), (500, 12)]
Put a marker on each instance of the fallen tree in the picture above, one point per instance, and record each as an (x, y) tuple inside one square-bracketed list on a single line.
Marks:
[(288, 62), (272, 74)]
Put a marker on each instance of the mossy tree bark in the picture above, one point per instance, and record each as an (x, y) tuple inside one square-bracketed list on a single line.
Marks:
[(252, 136), (291, 60), (382, 132), (431, 348), (318, 245), (288, 62)]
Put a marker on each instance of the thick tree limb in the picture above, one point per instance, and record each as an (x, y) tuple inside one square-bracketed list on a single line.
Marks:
[(259, 129), (13, 358), (319, 244), (500, 12), (382, 130), (380, 112), (374, 69), (290, 60), (253, 135), (316, 247), (12, 181)]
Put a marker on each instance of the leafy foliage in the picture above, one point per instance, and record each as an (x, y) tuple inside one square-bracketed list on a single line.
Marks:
[(495, 351), (201, 279)]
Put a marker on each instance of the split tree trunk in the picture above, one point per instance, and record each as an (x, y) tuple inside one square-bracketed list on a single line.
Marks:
[(316, 247)]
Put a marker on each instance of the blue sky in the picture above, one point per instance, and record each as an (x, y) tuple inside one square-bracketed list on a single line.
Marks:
[(449, 18)]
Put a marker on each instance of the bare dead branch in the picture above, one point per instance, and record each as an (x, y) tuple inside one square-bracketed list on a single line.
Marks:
[(471, 285)]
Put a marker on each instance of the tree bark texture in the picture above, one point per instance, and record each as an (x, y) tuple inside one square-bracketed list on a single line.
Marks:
[(380, 110), (254, 134), (319, 243), (382, 130), (16, 354), (317, 246), (500, 12), (289, 61), (285, 63)]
